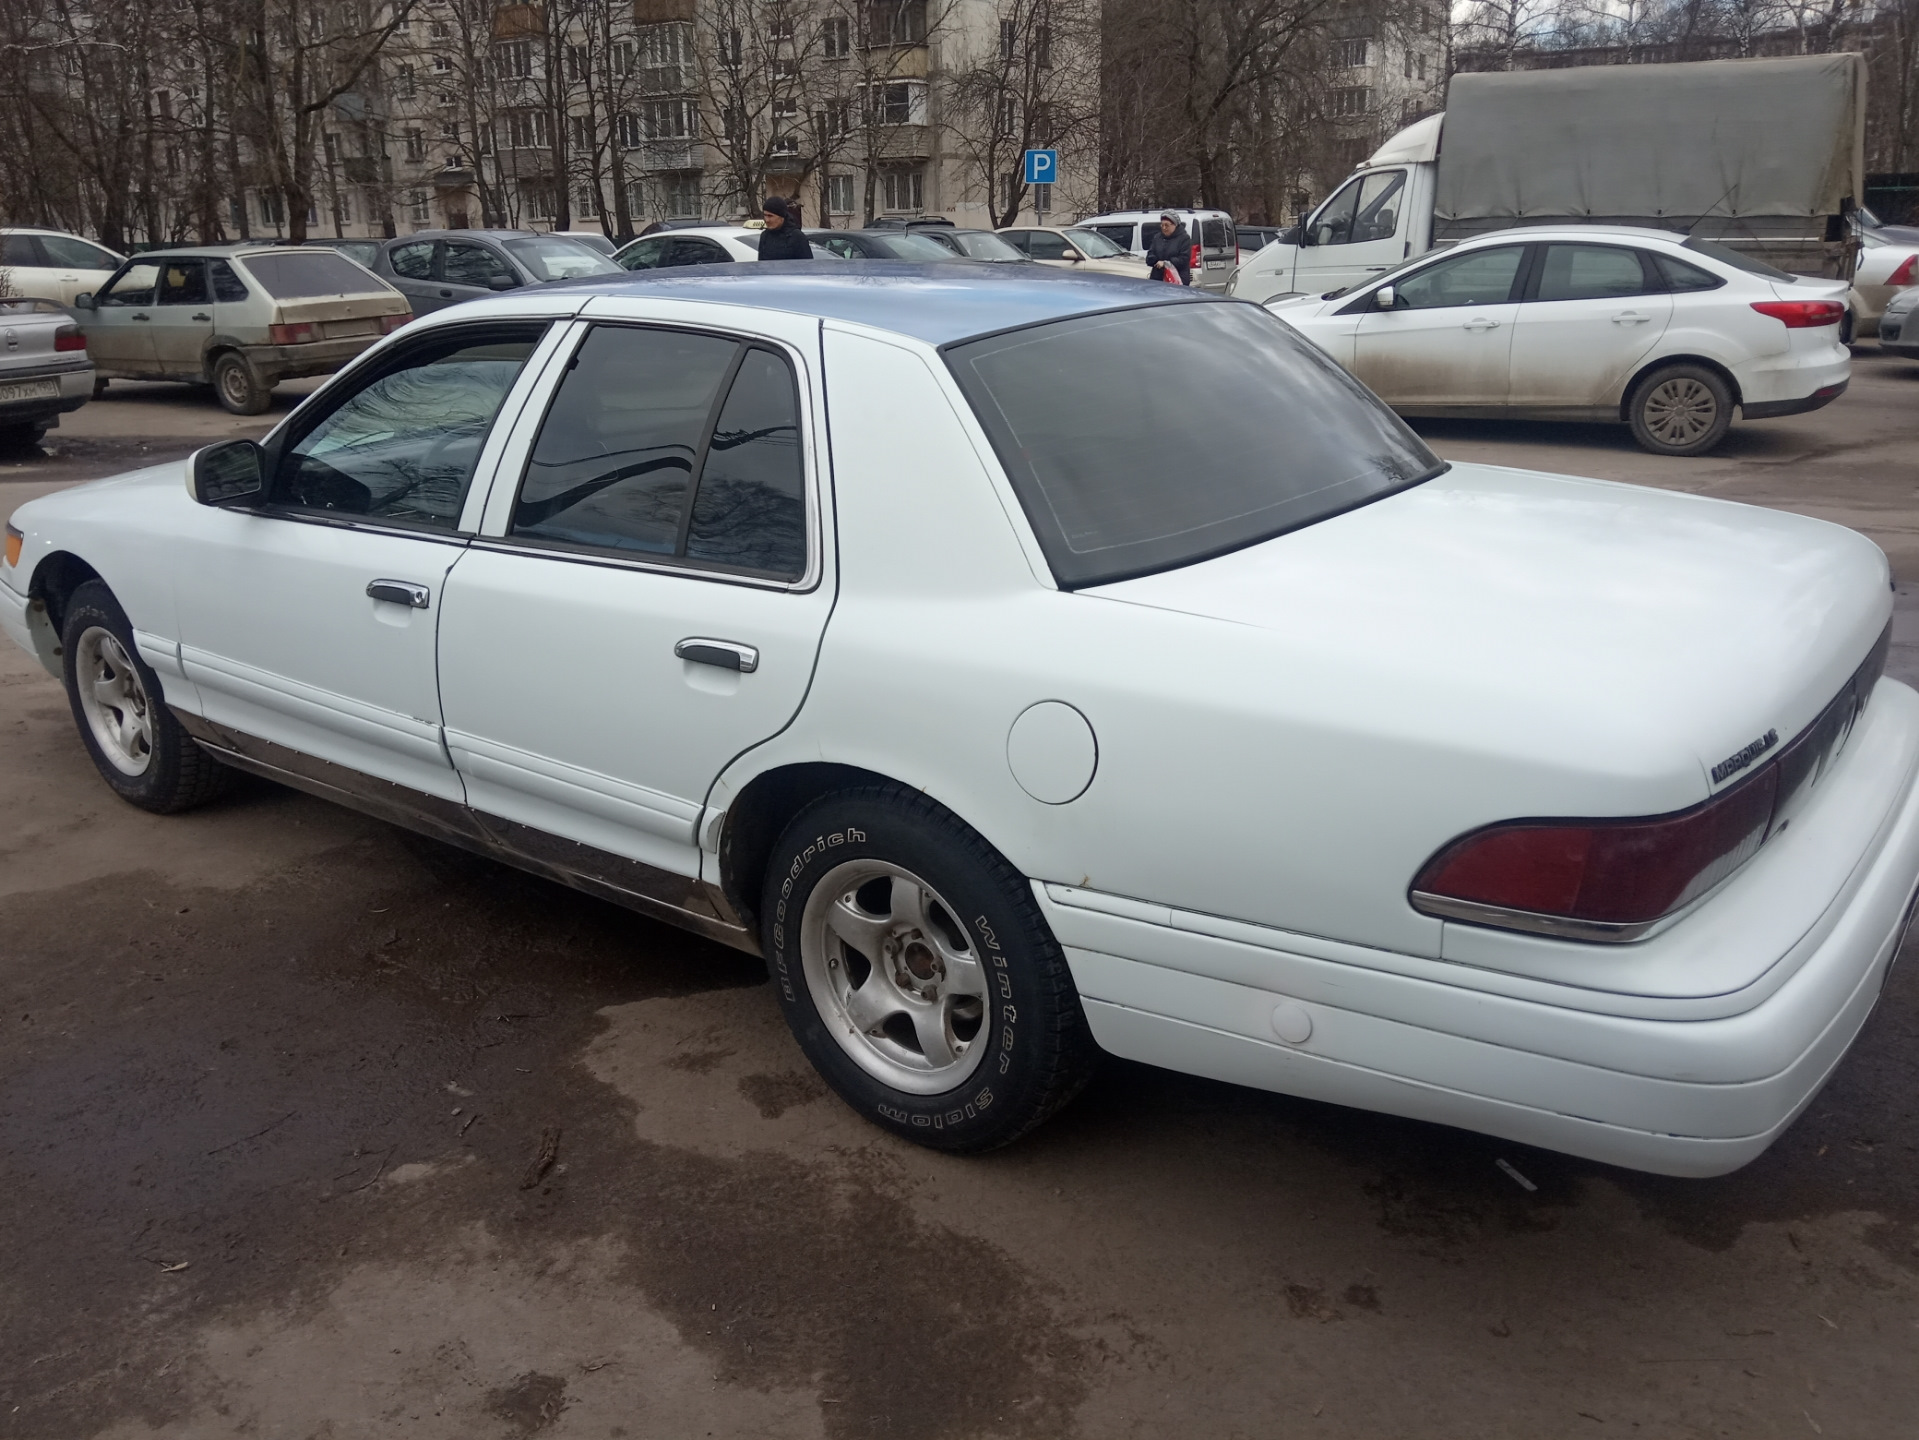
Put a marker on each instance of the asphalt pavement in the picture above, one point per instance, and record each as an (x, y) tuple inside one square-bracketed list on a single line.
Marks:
[(311, 1127)]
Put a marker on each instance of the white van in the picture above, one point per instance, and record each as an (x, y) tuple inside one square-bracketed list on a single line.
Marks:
[(1215, 241)]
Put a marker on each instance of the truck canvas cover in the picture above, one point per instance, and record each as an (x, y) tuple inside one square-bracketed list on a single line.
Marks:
[(1737, 139)]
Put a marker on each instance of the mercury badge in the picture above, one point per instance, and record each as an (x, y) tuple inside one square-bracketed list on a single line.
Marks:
[(1744, 756)]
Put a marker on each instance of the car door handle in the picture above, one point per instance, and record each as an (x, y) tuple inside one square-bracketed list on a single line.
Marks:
[(202, 317), (399, 592), (446, 294), (139, 316), (726, 654), (1480, 322), (1630, 317)]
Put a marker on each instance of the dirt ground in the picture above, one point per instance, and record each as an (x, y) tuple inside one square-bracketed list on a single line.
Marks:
[(312, 1128)]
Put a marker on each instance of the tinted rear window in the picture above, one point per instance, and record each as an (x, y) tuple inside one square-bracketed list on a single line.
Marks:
[(309, 275), (1230, 430), (1216, 234)]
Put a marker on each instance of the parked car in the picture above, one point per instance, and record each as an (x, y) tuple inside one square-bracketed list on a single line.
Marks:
[(238, 318), (688, 245), (361, 252), (53, 265), (1589, 322), (885, 244), (1215, 239), (1237, 768), (592, 239), (973, 244), (914, 222), (44, 369), (438, 268), (1075, 248), (1885, 268), (1255, 237), (1899, 326)]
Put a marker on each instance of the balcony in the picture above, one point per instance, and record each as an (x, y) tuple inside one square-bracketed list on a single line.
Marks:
[(661, 12), (453, 178), (667, 154), (366, 170), (663, 80), (905, 142)]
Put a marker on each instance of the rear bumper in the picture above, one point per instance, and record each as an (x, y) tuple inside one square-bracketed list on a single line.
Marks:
[(319, 357), (1674, 1096), (1795, 376), (1773, 409), (75, 389)]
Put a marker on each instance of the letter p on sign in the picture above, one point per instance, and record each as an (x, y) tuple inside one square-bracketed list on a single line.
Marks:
[(1042, 167)]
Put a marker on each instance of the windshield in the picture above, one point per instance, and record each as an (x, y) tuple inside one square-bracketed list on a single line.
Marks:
[(984, 245), (1096, 245), (309, 274), (1726, 255), (553, 257), (1236, 431), (913, 247)]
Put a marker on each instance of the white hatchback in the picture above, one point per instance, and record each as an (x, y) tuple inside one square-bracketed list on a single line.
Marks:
[(1670, 336), (874, 619)]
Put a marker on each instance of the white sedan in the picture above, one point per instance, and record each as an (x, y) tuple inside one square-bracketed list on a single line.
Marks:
[(876, 620), (1669, 335)]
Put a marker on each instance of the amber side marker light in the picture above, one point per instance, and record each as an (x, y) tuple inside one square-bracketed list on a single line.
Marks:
[(1619, 880), (14, 541)]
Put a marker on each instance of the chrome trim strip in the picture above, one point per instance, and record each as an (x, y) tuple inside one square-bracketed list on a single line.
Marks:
[(680, 900), (1559, 927)]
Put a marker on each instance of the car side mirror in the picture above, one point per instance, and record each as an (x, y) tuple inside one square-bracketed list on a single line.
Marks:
[(83, 302), (232, 470), (503, 282), (1384, 298)]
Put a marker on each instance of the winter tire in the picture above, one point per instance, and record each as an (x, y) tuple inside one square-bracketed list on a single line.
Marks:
[(136, 744), (1680, 410), (917, 973), (240, 389)]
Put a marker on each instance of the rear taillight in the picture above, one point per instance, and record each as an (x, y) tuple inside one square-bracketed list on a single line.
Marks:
[(390, 323), (1802, 314), (300, 334), (68, 337), (1195, 262), (1614, 880), (1904, 274)]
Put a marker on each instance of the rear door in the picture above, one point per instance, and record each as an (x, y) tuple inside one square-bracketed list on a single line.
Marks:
[(1218, 251), (695, 250), (414, 270), (75, 266), (649, 593), (182, 323), (1591, 314), (1448, 340), (469, 271), (28, 269)]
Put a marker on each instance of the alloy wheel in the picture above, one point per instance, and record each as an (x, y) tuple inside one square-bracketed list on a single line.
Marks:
[(895, 975), (115, 701)]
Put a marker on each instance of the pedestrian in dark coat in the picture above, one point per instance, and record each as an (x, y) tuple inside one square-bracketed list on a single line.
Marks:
[(1171, 249), (782, 239)]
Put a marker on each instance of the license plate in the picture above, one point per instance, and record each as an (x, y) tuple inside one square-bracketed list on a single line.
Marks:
[(30, 390)]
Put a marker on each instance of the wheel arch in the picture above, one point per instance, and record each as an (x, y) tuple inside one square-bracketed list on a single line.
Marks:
[(1718, 368), (760, 813), (55, 578)]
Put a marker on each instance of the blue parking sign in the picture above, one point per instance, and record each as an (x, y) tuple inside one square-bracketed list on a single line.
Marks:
[(1042, 167)]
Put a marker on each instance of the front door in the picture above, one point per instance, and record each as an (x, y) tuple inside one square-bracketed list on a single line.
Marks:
[(120, 329), (1359, 233), (1592, 314), (182, 322), (310, 620), (1447, 340), (653, 597)]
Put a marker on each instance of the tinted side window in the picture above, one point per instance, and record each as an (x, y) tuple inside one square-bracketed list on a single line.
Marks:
[(1020, 240), (750, 509), (694, 251), (1591, 272), (1215, 235), (22, 250), (133, 286), (645, 255), (1120, 235), (183, 282), (614, 461), (1680, 276), (414, 261), (1044, 245), (1480, 277), (68, 250), (475, 265), (403, 446), (227, 287)]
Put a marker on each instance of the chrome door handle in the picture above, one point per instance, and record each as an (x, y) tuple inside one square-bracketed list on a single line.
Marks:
[(1480, 322), (726, 654), (399, 592)]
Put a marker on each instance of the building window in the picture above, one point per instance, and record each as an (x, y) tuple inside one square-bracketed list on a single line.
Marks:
[(403, 82), (786, 108), (441, 65), (787, 145), (450, 132), (898, 102), (1419, 66), (663, 47), (619, 58), (903, 190), (1043, 48), (438, 30), (342, 210), (1008, 39), (1351, 54), (836, 38), (536, 199), (579, 132), (516, 59), (1352, 100), (525, 130), (680, 195), (785, 67), (579, 64), (1008, 115), (781, 29), (417, 209), (273, 210), (1408, 111), (896, 22), (330, 144), (415, 145), (730, 48), (839, 194), (587, 202), (669, 120)]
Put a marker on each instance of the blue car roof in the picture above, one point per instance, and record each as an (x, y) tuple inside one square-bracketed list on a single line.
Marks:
[(938, 303)]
